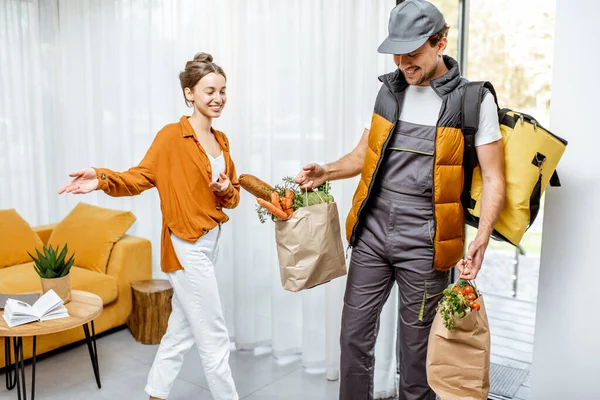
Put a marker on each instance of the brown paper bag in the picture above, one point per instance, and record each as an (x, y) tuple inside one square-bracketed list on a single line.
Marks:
[(309, 247), (458, 361)]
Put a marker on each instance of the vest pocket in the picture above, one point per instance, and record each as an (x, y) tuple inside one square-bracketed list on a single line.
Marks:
[(431, 230), (408, 171), (408, 163)]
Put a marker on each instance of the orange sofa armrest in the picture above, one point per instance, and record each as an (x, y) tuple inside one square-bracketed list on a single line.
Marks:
[(130, 260), (44, 232)]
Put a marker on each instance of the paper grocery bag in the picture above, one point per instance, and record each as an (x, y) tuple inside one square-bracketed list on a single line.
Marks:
[(458, 361), (309, 247)]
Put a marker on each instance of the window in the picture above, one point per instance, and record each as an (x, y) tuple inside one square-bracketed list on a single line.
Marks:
[(510, 44), (513, 50)]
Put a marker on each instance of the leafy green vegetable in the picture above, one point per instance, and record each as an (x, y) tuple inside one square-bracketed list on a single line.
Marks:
[(301, 198), (451, 305), (458, 300), (312, 198)]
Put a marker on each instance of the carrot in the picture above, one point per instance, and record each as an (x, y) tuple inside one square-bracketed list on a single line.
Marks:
[(289, 212), (272, 209), (289, 199), (276, 200)]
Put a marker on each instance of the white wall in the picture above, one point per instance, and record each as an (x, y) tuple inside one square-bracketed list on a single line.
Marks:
[(566, 356)]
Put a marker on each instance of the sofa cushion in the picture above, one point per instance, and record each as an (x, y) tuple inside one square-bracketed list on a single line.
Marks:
[(91, 232), (23, 278), (16, 239)]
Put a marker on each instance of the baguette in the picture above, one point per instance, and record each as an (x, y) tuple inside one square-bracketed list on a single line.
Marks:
[(256, 187)]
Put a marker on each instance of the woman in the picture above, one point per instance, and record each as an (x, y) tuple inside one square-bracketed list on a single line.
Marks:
[(190, 165)]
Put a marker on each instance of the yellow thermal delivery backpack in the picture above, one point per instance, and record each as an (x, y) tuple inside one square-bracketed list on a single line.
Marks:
[(531, 154)]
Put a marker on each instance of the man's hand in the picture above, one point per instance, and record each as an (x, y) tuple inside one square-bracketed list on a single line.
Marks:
[(491, 160), (470, 266), (221, 184), (312, 176)]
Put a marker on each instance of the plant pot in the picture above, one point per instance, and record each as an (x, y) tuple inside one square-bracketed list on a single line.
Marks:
[(62, 287)]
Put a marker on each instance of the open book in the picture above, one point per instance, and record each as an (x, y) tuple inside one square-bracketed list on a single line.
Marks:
[(49, 306)]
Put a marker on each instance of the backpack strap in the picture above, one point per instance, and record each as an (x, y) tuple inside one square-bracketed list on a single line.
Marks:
[(554, 180), (470, 111)]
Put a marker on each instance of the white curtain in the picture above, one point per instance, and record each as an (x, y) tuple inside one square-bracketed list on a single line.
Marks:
[(90, 82)]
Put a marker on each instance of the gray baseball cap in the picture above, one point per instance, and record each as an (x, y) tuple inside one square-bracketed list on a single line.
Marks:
[(412, 22)]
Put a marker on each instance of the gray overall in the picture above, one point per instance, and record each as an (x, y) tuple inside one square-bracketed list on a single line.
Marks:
[(394, 244)]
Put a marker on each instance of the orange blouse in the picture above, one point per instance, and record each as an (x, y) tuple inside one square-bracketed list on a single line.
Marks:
[(178, 166)]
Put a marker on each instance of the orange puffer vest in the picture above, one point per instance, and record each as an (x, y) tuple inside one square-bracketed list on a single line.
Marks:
[(448, 171)]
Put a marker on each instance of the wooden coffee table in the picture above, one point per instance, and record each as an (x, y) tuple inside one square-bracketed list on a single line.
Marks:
[(83, 308)]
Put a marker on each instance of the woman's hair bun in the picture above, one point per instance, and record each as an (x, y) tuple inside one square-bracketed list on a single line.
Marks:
[(203, 58)]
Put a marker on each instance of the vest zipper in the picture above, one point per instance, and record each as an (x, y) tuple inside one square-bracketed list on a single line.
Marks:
[(433, 170), (383, 148), (433, 189)]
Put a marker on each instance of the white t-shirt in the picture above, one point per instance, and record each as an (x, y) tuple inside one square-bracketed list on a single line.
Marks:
[(217, 165), (422, 106)]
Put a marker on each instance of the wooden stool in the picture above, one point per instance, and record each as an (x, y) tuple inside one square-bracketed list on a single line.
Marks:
[(150, 310)]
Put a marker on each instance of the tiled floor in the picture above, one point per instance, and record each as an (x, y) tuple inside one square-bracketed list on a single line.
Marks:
[(512, 328), (124, 367)]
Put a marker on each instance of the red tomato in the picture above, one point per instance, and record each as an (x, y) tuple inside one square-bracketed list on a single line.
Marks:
[(476, 306), (471, 296), (468, 289), (459, 290)]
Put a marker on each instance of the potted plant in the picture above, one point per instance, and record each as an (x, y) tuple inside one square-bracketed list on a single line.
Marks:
[(54, 270)]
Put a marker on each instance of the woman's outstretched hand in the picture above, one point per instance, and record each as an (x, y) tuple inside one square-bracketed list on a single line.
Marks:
[(84, 181)]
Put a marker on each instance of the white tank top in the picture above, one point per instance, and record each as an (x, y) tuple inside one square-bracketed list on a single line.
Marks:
[(217, 165)]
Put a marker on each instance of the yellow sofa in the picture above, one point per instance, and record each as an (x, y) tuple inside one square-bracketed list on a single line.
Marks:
[(129, 260)]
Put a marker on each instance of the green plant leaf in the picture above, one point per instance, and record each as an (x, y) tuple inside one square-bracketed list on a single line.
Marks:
[(40, 266), (39, 272), (66, 268), (45, 264), (47, 252), (32, 257), (53, 260), (63, 254), (69, 264), (51, 274), (53, 252), (71, 260)]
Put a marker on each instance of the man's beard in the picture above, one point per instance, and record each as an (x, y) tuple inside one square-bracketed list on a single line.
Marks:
[(427, 75)]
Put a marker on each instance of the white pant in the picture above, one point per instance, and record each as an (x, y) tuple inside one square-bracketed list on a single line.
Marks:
[(197, 317)]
